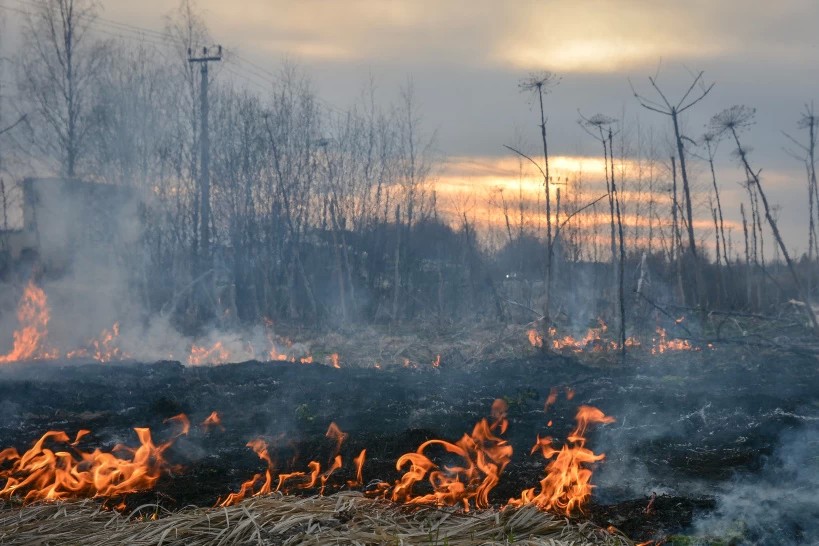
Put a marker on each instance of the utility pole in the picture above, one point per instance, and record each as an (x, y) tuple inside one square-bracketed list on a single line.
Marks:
[(207, 55)]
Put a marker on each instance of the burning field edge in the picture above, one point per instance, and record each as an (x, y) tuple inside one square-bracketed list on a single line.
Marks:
[(342, 518)]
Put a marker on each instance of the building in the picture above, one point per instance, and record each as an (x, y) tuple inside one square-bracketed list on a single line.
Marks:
[(64, 219)]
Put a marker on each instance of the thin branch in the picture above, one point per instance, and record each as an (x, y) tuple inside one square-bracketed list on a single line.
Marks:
[(578, 211), (690, 88), (692, 103), (13, 125), (529, 158), (656, 87)]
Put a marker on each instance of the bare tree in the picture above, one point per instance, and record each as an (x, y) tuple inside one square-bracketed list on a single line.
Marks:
[(58, 77), (541, 84), (674, 111), (732, 121)]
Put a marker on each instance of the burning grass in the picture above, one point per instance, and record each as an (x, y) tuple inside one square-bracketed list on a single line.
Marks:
[(343, 518), (462, 473)]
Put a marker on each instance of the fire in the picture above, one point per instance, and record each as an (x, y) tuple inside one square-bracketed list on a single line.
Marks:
[(259, 447), (216, 354), (437, 362), (104, 348), (593, 340), (213, 420), (359, 465), (566, 486), (336, 434), (33, 316), (484, 457), (551, 399), (535, 339), (303, 480), (663, 344), (43, 473), (337, 463), (462, 473), (334, 361)]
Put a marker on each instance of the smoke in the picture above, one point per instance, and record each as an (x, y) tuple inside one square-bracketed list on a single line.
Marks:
[(91, 264), (778, 506)]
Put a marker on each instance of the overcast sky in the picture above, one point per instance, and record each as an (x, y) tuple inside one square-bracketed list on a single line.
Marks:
[(466, 57)]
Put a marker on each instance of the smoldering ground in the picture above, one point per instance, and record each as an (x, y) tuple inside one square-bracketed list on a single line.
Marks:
[(687, 423)]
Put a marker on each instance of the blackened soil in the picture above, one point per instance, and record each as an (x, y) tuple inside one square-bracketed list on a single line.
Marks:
[(686, 422)]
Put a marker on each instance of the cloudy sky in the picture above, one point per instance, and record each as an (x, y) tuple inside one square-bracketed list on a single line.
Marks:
[(465, 58)]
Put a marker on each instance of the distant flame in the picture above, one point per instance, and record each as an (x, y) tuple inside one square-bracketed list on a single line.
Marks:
[(663, 344), (334, 360), (216, 354), (213, 420), (33, 316)]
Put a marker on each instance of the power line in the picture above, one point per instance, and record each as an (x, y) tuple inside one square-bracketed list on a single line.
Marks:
[(252, 73)]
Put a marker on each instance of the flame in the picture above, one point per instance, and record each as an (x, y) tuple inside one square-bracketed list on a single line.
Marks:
[(663, 344), (359, 465), (298, 479), (213, 420), (551, 399), (334, 360), (104, 348), (566, 486), (335, 433), (437, 362), (216, 354), (535, 339), (259, 447), (33, 316), (337, 462), (593, 340), (41, 473), (484, 457)]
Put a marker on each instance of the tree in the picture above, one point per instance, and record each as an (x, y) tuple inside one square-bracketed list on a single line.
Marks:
[(732, 121), (541, 84), (599, 127), (674, 111), (58, 77)]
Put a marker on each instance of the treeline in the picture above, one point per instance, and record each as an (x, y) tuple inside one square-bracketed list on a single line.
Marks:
[(317, 215)]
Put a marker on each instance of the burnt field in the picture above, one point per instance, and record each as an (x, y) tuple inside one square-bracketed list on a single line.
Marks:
[(692, 427)]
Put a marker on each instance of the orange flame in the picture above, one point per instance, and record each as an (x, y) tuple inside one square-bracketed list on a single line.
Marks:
[(213, 420), (535, 339), (552, 398), (334, 362), (217, 354), (567, 483), (104, 348), (484, 455), (663, 344), (44, 474), (33, 316), (259, 447), (335, 433), (359, 465)]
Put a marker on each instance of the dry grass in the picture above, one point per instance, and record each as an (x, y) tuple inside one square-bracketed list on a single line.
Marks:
[(417, 345), (344, 518)]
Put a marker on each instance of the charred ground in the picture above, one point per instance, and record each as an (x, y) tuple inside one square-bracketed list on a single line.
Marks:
[(687, 422)]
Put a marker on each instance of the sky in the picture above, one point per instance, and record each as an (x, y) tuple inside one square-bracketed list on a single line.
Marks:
[(465, 59)]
